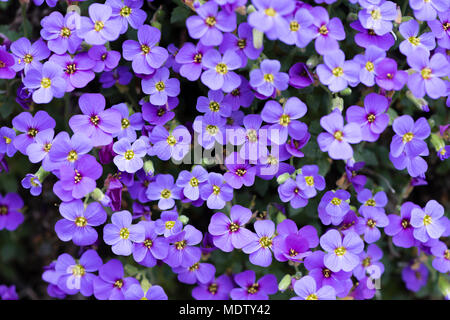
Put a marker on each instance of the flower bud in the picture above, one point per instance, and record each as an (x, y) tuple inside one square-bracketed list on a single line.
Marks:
[(282, 178), (184, 220), (285, 283)]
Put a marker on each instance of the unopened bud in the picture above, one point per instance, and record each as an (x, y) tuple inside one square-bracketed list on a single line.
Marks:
[(285, 283), (282, 178)]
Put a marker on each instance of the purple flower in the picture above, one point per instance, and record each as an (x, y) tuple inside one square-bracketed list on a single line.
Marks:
[(214, 104), (306, 289), (441, 262), (441, 30), (368, 37), (6, 65), (152, 248), (7, 136), (32, 182), (127, 12), (400, 228), (268, 78), (428, 222), (427, 10), (371, 57), (110, 283), (337, 73), (242, 44), (121, 234), (284, 119), (60, 32), (79, 179), (242, 96), (130, 123), (104, 60), (159, 115), (370, 264), (270, 17), (121, 75), (387, 75), (415, 165), (336, 141), (409, 30), (309, 180), (10, 217), (323, 276), (291, 192), (299, 76), (190, 57), (372, 118), (198, 272), (190, 181), (160, 87), (272, 164), (31, 126), (300, 29), (415, 276), (135, 292), (175, 144), (229, 233), (145, 55), (96, 122), (77, 276), (168, 224), (219, 74), (261, 245), (358, 181), (377, 201), (129, 156), (77, 70), (240, 172), (378, 17), (333, 207), (342, 253), (47, 81), (78, 222), (216, 191), (210, 130), (62, 149), (216, 289), (254, 140), (164, 190), (27, 55), (427, 79), (327, 31), (367, 224), (114, 192), (250, 289), (409, 136), (209, 23), (100, 27), (182, 251)]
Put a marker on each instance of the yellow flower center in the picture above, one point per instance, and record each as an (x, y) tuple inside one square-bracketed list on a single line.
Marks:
[(2, 64), (371, 223), (292, 253), (427, 220), (369, 66), (95, 120), (338, 135), (253, 288), (166, 193), (193, 182), (198, 58), (47, 147), (340, 251), (233, 227), (71, 68), (46, 83), (7, 140), (337, 72), (241, 172), (336, 201), (72, 156), (125, 11), (407, 137), (145, 49), (294, 26), (323, 30), (285, 120), (81, 221), (309, 180), (124, 233), (65, 32), (216, 190), (371, 118), (78, 270), (77, 178), (268, 77), (33, 181), (28, 58), (212, 130), (265, 242), (414, 41), (169, 224), (180, 245), (252, 135), (129, 154), (214, 106), (270, 12), (242, 43), (326, 273), (118, 284), (405, 223), (171, 140), (160, 86), (125, 123), (221, 68), (375, 14), (366, 262), (213, 287), (194, 267), (211, 21), (312, 296), (148, 243), (447, 254), (370, 203), (3, 210), (99, 25), (32, 132), (426, 73)]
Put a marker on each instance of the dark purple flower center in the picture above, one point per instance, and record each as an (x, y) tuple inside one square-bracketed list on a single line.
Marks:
[(405, 223), (326, 272), (198, 58), (77, 178), (71, 68), (371, 117), (161, 112), (194, 267), (32, 132), (233, 227), (254, 288), (3, 210), (242, 43), (118, 284), (2, 64), (213, 287), (95, 120), (366, 262), (180, 245), (240, 172), (148, 243)]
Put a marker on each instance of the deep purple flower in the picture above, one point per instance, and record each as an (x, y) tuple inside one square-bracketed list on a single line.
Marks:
[(387, 75), (229, 232), (327, 31), (299, 76), (119, 76), (309, 180), (342, 253), (254, 140), (400, 228), (6, 65), (337, 73), (111, 283), (96, 122), (62, 149), (31, 126), (336, 141), (10, 216), (32, 182), (368, 37), (372, 118), (367, 224), (300, 29), (440, 29), (160, 87), (415, 165), (182, 251), (152, 248), (351, 168), (208, 24), (145, 55), (306, 289), (428, 222), (129, 123), (60, 32), (291, 192), (333, 207), (114, 192), (427, 79), (242, 96), (210, 129), (80, 179), (121, 234), (215, 191), (104, 60), (367, 62), (190, 57), (197, 273), (214, 104), (7, 136), (129, 155), (27, 55), (240, 172), (164, 190), (441, 262), (47, 80), (100, 27), (250, 289), (190, 181), (409, 136), (77, 276), (268, 78), (370, 264), (415, 276), (217, 289), (77, 70)]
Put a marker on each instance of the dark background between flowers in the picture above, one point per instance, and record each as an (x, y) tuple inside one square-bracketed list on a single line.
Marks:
[(24, 252)]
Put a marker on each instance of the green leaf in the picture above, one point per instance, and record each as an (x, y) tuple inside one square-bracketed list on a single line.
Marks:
[(180, 14)]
